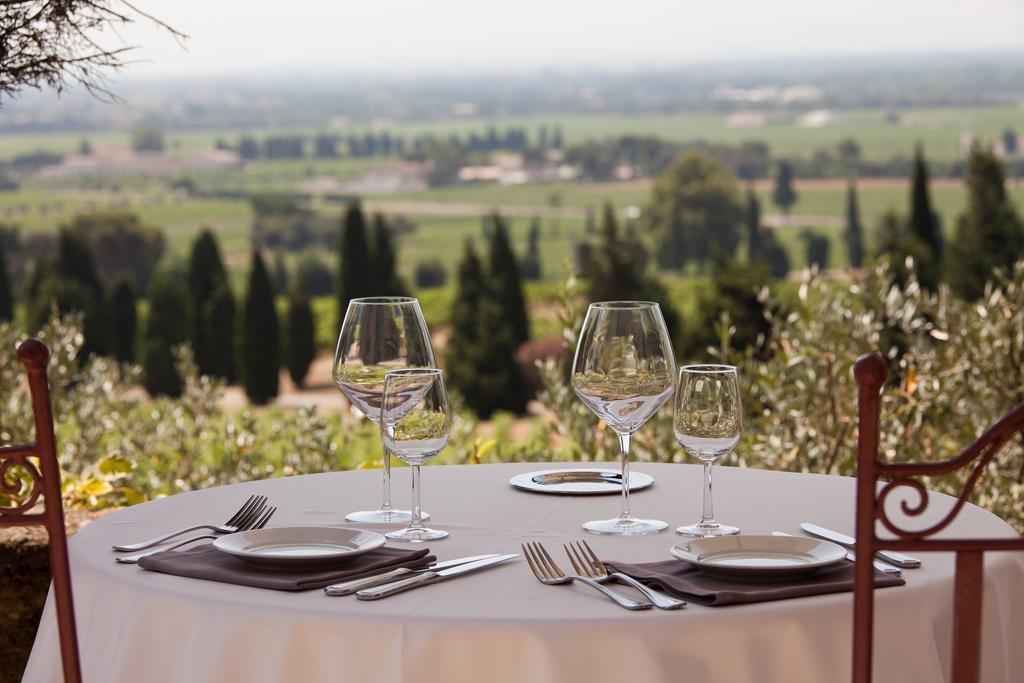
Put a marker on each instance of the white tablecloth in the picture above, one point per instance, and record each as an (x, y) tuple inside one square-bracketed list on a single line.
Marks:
[(501, 624)]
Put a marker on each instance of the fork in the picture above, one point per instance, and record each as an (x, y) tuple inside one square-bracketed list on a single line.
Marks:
[(256, 524), (249, 511), (585, 562), (547, 572)]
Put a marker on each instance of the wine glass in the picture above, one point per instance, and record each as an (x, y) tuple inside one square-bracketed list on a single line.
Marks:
[(624, 370), (415, 423), (379, 334), (708, 418)]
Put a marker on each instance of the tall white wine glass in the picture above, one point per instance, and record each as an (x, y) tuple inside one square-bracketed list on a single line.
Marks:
[(379, 334), (415, 423), (624, 370), (708, 419)]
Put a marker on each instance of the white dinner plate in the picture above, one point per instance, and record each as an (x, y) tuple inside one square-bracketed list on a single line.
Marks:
[(579, 482), (291, 547), (755, 556)]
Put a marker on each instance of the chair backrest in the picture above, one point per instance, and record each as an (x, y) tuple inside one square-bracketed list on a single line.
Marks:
[(871, 373), (25, 483)]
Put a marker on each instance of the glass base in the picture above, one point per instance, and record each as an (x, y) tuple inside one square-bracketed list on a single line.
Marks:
[(625, 526), (420, 535), (707, 530), (383, 516)]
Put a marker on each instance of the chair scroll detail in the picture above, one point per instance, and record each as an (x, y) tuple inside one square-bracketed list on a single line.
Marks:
[(23, 483), (873, 504)]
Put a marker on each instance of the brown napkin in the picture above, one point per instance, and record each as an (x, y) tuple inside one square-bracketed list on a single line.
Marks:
[(206, 562), (686, 581)]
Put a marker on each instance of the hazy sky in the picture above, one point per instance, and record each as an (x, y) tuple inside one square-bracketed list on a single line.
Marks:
[(414, 36)]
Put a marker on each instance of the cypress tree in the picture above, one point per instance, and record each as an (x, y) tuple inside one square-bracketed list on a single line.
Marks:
[(6, 300), (76, 261), (218, 319), (74, 285), (481, 355), (734, 290), (775, 256), (754, 249), (615, 272), (784, 195), (817, 248), (385, 262), (464, 344), (989, 234), (505, 283), (531, 262), (853, 235), (500, 384), (123, 320), (205, 274), (165, 328), (355, 267), (923, 219), (261, 356), (924, 234), (280, 274), (301, 346)]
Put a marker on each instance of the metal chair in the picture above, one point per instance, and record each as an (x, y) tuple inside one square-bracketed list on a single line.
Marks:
[(871, 373), (23, 481)]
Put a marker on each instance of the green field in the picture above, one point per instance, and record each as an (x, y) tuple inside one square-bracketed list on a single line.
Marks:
[(446, 217), (940, 130), (440, 236)]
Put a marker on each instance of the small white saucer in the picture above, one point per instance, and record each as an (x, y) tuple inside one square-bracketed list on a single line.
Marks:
[(579, 482)]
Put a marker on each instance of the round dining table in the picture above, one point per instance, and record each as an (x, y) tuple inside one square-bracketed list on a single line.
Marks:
[(501, 624)]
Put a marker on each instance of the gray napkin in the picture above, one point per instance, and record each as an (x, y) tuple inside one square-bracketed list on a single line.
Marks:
[(206, 562), (686, 581)]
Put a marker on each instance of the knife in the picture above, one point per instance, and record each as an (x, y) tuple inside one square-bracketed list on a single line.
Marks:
[(880, 566), (349, 587), (428, 577), (898, 559)]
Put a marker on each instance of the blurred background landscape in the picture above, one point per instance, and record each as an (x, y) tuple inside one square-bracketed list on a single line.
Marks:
[(794, 184)]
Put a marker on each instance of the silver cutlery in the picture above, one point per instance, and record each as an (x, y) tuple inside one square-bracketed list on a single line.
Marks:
[(879, 565), (258, 523), (898, 559), (355, 585), (427, 578), (547, 572), (250, 510), (585, 562)]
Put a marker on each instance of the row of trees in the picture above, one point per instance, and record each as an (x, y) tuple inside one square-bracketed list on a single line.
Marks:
[(694, 213), (370, 143), (988, 235), (193, 305)]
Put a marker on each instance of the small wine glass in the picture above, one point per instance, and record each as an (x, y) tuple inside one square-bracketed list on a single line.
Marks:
[(624, 370), (708, 419), (379, 334), (415, 422)]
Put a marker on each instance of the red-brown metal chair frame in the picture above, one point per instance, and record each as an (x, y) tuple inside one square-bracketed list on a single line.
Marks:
[(45, 482), (871, 373)]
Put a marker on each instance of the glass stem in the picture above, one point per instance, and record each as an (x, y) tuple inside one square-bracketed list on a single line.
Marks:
[(624, 440), (386, 503), (417, 522), (707, 518)]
